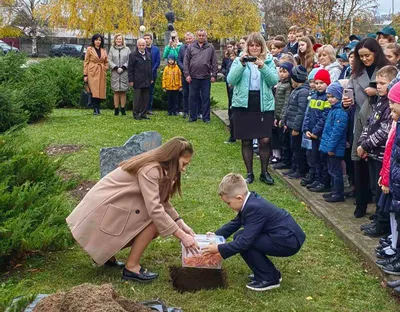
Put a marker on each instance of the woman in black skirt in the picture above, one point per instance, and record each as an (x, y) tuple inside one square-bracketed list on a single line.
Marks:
[(253, 76)]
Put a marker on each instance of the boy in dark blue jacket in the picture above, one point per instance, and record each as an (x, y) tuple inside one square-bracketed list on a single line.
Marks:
[(333, 141), (267, 230), (313, 126)]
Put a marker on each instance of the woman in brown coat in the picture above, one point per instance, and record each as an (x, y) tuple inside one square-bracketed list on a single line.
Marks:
[(95, 69), (130, 206)]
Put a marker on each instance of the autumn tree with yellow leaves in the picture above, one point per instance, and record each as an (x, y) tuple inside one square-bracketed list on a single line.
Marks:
[(221, 19)]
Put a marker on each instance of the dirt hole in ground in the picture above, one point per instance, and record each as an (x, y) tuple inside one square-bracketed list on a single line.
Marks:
[(82, 189), (88, 297), (54, 150), (192, 279)]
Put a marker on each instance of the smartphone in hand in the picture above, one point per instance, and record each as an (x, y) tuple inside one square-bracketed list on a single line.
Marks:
[(348, 93)]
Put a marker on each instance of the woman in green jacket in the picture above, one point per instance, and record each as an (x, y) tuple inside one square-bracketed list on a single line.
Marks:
[(173, 46), (253, 76)]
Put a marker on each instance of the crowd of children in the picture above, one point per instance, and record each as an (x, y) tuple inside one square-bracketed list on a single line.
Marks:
[(325, 131)]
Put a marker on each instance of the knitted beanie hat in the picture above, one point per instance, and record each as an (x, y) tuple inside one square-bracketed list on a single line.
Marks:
[(288, 66), (394, 94), (324, 76), (172, 57), (336, 90), (299, 74), (312, 73)]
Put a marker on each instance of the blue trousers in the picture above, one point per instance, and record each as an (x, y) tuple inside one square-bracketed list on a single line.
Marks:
[(336, 173), (298, 158), (151, 95), (185, 87), (256, 256), (199, 94), (320, 163)]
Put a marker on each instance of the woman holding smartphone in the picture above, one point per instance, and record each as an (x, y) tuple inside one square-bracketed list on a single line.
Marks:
[(368, 59), (253, 75), (173, 46)]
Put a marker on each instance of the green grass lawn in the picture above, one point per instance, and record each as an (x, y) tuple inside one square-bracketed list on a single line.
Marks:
[(324, 276), (218, 91)]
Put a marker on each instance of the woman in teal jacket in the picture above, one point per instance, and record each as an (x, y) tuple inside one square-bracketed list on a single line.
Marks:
[(253, 76)]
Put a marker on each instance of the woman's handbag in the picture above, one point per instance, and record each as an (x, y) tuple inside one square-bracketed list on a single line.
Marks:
[(86, 97)]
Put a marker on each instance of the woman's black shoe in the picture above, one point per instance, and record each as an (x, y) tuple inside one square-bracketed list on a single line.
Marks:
[(266, 178), (249, 178), (142, 276), (114, 264)]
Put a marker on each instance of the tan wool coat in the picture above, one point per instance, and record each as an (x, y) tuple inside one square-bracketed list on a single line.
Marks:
[(117, 209), (95, 69)]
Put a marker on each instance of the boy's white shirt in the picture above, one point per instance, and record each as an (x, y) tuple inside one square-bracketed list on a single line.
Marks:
[(245, 201)]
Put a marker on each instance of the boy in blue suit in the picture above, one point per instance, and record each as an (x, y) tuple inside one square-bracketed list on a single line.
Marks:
[(267, 230), (333, 141)]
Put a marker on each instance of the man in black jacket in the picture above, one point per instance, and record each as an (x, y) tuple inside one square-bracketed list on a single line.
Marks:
[(189, 38), (267, 231), (140, 78)]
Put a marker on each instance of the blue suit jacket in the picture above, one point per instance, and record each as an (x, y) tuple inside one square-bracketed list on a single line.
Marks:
[(155, 60), (260, 217)]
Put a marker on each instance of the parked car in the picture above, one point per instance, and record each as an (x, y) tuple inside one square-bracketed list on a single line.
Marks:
[(66, 49), (5, 48)]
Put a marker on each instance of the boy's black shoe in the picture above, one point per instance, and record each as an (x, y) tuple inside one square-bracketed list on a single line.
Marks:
[(375, 231), (192, 120), (249, 178), (116, 111), (288, 172), (386, 239), (335, 199), (384, 262), (312, 185), (295, 175), (359, 212), (392, 268), (264, 285), (114, 264), (278, 276), (393, 284), (142, 276), (385, 253), (320, 188), (307, 180), (327, 195), (366, 226), (123, 112), (381, 246), (266, 178), (282, 166)]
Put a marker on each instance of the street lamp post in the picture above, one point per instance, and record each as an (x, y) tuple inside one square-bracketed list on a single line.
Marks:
[(142, 29)]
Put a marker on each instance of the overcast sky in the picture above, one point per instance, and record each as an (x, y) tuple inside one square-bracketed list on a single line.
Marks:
[(386, 5)]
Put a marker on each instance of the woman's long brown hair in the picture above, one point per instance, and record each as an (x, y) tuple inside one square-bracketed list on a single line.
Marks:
[(307, 58), (167, 155)]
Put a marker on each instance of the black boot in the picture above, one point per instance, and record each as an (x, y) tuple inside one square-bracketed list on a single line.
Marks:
[(249, 178), (360, 212), (307, 180), (123, 111), (116, 111)]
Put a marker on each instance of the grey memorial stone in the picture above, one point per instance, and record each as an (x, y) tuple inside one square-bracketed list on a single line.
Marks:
[(110, 157)]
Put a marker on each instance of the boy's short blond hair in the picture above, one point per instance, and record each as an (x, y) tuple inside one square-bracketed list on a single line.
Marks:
[(232, 184), (388, 71)]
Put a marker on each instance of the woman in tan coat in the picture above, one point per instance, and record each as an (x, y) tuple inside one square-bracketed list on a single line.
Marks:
[(95, 69), (130, 206)]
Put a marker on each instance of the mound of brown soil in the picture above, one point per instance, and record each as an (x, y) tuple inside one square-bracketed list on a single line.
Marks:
[(194, 279), (54, 150), (82, 189), (88, 297)]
